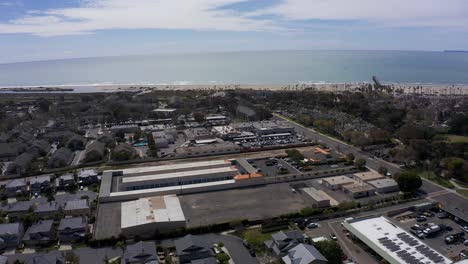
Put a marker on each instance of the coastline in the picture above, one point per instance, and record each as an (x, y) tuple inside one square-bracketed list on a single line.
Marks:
[(407, 88)]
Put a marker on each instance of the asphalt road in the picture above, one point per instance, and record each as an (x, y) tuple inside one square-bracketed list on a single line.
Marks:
[(446, 197)]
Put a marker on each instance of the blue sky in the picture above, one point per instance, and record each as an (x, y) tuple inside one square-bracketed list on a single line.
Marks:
[(55, 29)]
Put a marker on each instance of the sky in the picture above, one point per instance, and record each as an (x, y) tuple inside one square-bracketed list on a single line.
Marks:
[(33, 30)]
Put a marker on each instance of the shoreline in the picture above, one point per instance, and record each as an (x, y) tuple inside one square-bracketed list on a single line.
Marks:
[(408, 88)]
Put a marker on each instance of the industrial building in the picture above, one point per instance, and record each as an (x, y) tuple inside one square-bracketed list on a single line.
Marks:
[(385, 185), (144, 216), (391, 242), (335, 183), (318, 198), (359, 190), (207, 148), (189, 177), (364, 177)]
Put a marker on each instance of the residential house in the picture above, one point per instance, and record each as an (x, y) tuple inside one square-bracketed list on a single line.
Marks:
[(18, 209), (65, 181), (47, 209), (304, 254), (41, 146), (9, 151), (10, 235), (73, 229), (61, 158), (77, 208), (15, 187), (283, 241), (87, 177), (190, 248), (140, 253), (76, 142), (50, 258), (41, 233), (39, 184)]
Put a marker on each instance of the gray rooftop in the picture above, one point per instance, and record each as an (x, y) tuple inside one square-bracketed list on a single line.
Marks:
[(87, 173), (47, 207), (293, 234), (383, 183), (67, 177), (39, 179), (190, 242), (303, 254), (76, 205), (16, 183), (141, 251), (73, 223), (40, 227), (20, 206), (13, 228)]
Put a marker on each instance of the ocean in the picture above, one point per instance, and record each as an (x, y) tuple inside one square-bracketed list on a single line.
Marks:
[(262, 67)]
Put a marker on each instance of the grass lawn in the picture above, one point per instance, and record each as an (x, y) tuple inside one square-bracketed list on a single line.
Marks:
[(463, 192), (429, 175), (457, 139)]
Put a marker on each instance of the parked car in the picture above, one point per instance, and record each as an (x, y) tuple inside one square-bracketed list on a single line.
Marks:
[(333, 236), (421, 218), (312, 225), (465, 228), (442, 215), (246, 244)]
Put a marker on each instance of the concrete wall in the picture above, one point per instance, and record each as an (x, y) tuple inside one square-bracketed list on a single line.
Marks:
[(150, 229)]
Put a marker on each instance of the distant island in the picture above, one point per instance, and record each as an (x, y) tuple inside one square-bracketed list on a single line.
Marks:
[(460, 51)]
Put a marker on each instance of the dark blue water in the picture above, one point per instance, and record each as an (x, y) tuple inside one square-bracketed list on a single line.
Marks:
[(269, 67)]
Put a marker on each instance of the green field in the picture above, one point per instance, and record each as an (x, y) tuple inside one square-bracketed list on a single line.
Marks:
[(463, 192), (457, 139)]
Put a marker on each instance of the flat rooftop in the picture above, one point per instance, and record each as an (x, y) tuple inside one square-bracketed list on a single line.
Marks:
[(151, 210), (368, 176), (176, 166), (179, 174), (315, 194), (392, 242), (340, 180)]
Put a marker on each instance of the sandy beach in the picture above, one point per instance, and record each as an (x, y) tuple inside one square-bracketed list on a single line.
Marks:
[(426, 89)]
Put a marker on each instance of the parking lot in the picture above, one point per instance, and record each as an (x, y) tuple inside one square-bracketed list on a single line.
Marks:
[(437, 241), (251, 203), (273, 167)]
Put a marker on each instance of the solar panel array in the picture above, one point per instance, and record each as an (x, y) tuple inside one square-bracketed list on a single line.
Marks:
[(405, 254), (429, 253)]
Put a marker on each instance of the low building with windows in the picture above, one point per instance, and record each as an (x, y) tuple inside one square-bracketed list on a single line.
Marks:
[(337, 182), (39, 184), (304, 254), (365, 177), (77, 208), (385, 185), (282, 242), (359, 190), (11, 235), (41, 233), (73, 229)]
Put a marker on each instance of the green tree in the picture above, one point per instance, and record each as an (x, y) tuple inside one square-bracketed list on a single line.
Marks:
[(382, 170), (71, 258), (360, 164), (199, 117), (458, 168), (331, 251), (409, 182), (223, 258)]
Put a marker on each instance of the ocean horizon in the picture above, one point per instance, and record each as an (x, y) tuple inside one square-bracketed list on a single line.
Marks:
[(246, 67)]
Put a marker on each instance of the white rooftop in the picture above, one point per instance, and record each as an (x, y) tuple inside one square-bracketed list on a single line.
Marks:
[(151, 210), (392, 242), (176, 166), (179, 174)]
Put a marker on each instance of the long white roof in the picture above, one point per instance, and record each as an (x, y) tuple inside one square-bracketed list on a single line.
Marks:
[(176, 166), (144, 211), (392, 242), (179, 174)]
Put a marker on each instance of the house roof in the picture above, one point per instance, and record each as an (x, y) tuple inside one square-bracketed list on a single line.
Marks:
[(87, 173), (62, 154), (281, 235), (142, 251), (12, 229), (47, 207), (76, 205), (191, 243), (46, 259), (20, 206), (39, 227), (15, 183), (303, 254), (39, 179), (73, 223), (67, 177), (96, 146), (211, 260)]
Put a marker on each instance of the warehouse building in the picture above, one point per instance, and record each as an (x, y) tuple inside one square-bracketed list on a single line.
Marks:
[(188, 177), (336, 183), (391, 242), (145, 216), (359, 190), (207, 149), (318, 198), (364, 177), (385, 185)]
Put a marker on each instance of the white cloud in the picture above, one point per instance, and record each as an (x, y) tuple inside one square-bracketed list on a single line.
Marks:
[(395, 13), (95, 15)]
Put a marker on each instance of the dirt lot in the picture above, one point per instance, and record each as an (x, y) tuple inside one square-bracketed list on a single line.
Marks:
[(108, 220), (251, 203)]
